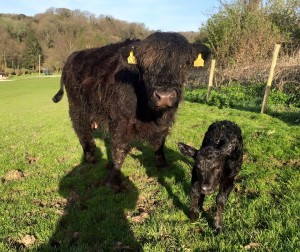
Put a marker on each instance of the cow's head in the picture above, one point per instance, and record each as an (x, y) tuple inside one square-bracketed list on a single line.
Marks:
[(163, 60)]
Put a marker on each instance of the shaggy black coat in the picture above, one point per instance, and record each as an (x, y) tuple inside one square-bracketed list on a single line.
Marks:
[(217, 163), (132, 102)]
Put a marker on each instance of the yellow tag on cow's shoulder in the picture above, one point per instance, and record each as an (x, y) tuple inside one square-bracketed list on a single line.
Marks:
[(131, 59), (199, 62)]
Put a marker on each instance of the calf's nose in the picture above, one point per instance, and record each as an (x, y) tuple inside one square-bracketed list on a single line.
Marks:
[(206, 189), (165, 98)]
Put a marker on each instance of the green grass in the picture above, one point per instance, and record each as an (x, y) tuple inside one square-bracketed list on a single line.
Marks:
[(60, 201)]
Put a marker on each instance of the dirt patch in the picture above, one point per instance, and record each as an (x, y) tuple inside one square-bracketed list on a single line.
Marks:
[(13, 175)]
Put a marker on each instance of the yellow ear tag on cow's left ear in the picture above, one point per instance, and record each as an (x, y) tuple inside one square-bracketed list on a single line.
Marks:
[(131, 59), (199, 62)]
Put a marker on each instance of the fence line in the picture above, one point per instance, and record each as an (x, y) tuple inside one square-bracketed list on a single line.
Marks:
[(211, 76), (270, 79)]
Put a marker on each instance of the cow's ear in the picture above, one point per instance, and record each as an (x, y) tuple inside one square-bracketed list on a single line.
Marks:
[(187, 150), (128, 55), (199, 48), (200, 53)]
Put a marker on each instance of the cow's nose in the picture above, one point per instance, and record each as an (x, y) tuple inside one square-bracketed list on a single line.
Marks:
[(165, 98)]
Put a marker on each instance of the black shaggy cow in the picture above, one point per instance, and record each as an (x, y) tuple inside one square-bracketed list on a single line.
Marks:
[(217, 163), (131, 89)]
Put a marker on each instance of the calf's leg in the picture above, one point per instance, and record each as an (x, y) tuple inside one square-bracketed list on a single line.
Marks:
[(195, 195), (197, 198), (222, 197)]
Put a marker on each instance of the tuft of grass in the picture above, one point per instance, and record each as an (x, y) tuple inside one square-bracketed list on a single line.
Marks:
[(51, 199)]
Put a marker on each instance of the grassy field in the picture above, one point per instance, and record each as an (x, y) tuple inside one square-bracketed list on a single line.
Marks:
[(50, 199)]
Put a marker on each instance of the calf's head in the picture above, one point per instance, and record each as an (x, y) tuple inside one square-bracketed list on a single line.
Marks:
[(209, 163), (163, 60)]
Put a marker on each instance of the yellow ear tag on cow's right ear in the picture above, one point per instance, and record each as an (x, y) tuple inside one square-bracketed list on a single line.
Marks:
[(199, 62), (131, 59)]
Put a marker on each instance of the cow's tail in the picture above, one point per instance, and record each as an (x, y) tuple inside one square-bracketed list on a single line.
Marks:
[(59, 95)]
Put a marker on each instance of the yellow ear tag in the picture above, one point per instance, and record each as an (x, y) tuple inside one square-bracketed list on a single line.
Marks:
[(131, 59), (199, 62)]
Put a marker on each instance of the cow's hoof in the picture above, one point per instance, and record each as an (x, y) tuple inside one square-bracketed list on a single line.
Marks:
[(114, 181), (194, 214), (161, 162), (113, 186), (165, 167), (89, 158)]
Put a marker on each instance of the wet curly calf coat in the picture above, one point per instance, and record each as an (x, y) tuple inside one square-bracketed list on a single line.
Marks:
[(131, 101), (217, 162)]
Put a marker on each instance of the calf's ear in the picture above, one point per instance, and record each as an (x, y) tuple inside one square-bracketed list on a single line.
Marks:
[(187, 150)]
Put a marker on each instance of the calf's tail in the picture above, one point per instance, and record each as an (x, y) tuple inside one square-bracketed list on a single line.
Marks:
[(59, 95)]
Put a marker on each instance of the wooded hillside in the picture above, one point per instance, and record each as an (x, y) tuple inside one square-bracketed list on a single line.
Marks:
[(55, 34)]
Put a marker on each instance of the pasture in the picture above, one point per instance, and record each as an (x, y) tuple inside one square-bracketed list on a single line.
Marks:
[(50, 199)]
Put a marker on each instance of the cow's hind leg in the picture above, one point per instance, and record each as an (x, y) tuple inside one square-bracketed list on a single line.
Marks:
[(84, 131)]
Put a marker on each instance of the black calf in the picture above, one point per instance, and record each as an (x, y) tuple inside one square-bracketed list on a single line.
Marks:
[(217, 163)]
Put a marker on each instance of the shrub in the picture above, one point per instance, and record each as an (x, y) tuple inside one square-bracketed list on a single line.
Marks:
[(240, 36)]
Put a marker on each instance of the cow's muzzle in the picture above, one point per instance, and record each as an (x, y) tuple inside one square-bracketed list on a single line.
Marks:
[(164, 98)]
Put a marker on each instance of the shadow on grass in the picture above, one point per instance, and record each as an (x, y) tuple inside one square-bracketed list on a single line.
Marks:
[(176, 172), (290, 116), (93, 217), (285, 114)]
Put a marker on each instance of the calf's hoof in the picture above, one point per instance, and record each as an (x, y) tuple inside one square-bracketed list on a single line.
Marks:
[(194, 214), (217, 230)]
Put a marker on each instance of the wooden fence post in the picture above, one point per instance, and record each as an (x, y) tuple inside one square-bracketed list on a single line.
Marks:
[(211, 76), (271, 74)]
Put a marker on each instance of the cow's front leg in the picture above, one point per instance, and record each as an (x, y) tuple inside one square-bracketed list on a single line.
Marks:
[(160, 159), (118, 156), (222, 197), (120, 148)]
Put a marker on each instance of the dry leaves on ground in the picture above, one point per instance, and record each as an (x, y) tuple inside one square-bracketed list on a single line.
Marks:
[(13, 175), (31, 160), (252, 245), (27, 241)]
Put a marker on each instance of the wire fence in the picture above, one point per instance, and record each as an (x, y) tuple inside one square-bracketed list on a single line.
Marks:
[(286, 75)]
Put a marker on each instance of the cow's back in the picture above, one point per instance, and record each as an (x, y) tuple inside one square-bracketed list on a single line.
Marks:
[(98, 63), (90, 79)]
